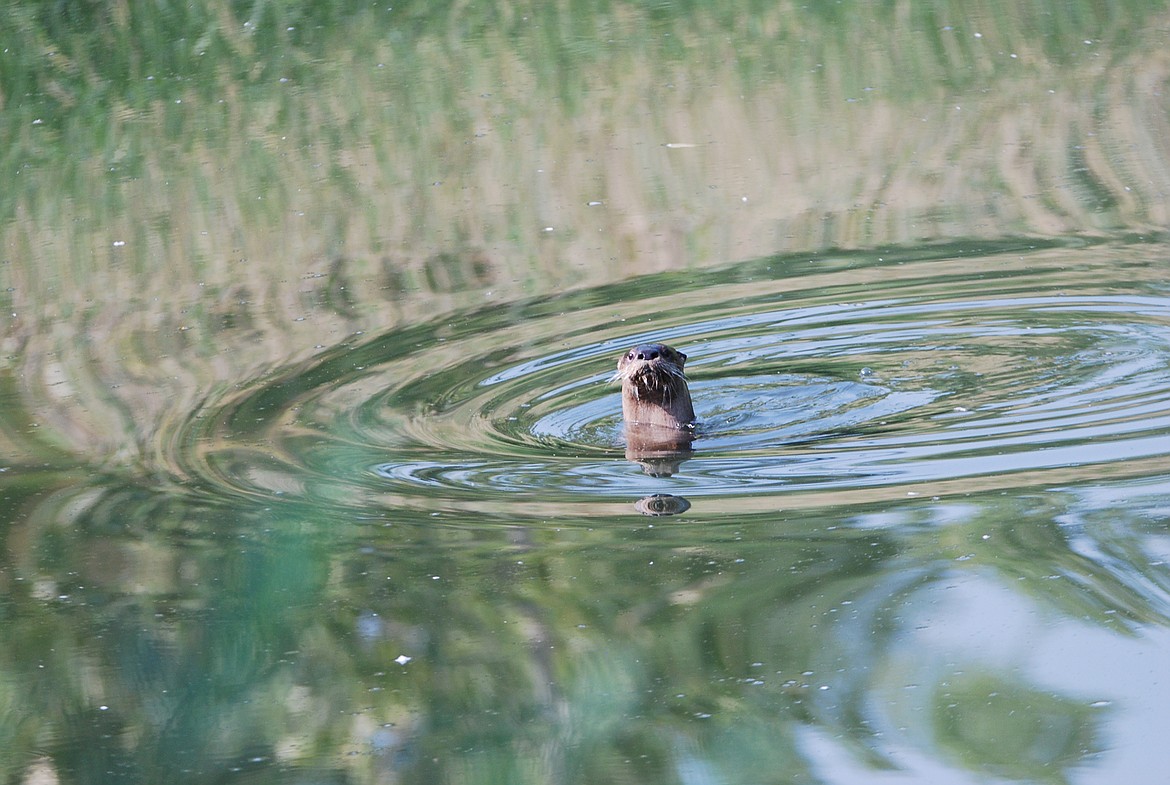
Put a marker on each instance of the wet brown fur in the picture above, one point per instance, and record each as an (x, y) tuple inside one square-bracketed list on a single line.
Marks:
[(654, 389)]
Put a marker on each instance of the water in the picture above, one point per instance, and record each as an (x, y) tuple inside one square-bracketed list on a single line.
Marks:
[(922, 527), (313, 469), (865, 376)]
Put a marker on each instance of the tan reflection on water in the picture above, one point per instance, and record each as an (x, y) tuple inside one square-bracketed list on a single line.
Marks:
[(218, 238)]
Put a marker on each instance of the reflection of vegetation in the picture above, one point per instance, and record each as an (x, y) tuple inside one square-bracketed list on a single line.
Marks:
[(235, 180), (163, 635), (1000, 728), (143, 656), (197, 193)]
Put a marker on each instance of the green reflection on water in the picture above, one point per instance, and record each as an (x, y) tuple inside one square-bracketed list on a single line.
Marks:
[(208, 181), (1002, 728), (201, 194), (148, 635)]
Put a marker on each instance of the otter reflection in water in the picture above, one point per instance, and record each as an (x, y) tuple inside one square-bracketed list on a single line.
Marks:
[(656, 406)]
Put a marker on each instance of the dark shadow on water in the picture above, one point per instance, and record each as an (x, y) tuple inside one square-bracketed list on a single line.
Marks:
[(662, 504), (659, 450)]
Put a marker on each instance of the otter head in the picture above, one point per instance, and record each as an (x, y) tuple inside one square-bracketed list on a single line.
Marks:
[(654, 388)]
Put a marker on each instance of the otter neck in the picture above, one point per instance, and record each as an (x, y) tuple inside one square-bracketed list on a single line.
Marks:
[(665, 408)]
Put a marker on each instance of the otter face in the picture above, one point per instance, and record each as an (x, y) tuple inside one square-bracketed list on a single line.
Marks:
[(654, 387), (651, 365)]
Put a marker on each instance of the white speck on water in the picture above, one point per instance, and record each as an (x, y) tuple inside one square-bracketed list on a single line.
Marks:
[(402, 659)]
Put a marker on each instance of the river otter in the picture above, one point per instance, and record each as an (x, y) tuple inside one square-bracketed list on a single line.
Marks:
[(656, 406)]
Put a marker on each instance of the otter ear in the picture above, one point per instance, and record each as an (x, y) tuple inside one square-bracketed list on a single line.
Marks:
[(682, 357)]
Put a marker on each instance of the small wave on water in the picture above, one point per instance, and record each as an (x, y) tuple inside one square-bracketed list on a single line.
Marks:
[(857, 376)]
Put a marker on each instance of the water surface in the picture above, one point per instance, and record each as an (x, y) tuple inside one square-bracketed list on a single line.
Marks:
[(313, 470)]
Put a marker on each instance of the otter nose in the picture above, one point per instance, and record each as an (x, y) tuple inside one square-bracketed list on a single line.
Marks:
[(647, 351)]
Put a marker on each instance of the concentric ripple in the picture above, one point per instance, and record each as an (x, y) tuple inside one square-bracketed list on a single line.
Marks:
[(858, 379)]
